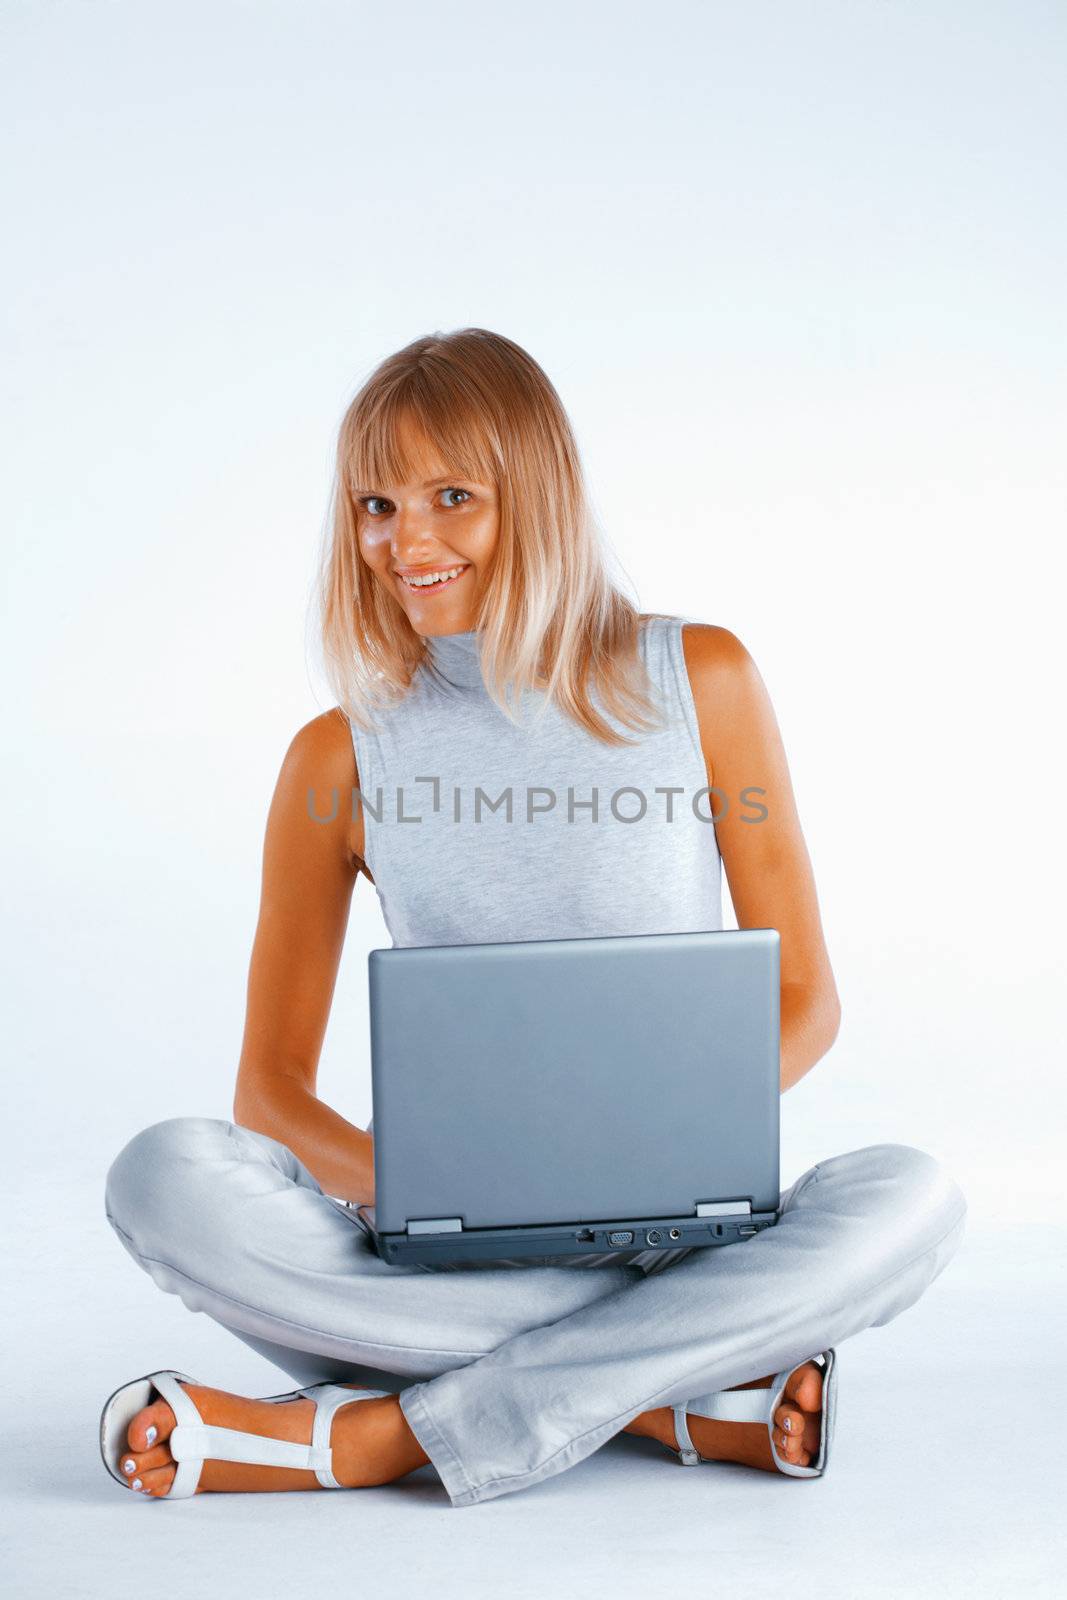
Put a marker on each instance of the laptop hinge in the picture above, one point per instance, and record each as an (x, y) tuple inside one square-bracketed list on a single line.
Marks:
[(436, 1225), (724, 1208)]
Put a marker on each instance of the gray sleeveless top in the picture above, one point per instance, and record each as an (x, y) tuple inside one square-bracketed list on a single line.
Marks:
[(479, 831)]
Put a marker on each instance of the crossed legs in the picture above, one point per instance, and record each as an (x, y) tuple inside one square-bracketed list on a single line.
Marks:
[(506, 1376)]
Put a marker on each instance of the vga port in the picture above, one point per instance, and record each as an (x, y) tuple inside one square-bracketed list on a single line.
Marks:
[(625, 1236)]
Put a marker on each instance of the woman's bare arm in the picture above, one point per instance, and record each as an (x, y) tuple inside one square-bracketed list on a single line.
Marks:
[(309, 872), (767, 863)]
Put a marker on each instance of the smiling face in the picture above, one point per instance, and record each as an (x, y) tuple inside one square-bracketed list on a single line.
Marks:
[(441, 526)]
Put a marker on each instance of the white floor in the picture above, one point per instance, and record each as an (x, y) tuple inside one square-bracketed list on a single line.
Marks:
[(948, 1459)]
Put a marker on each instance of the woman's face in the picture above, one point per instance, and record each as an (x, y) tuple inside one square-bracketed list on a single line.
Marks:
[(440, 527)]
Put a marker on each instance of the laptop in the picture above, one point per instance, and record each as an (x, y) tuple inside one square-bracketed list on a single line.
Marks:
[(590, 1097)]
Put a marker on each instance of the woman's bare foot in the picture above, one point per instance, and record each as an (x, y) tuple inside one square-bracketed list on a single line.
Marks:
[(798, 1421), (371, 1442)]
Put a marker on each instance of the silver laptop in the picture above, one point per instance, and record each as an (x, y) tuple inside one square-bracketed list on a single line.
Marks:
[(569, 1097)]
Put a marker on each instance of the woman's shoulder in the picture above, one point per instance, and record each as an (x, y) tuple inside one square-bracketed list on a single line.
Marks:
[(728, 691), (724, 680), (710, 650), (322, 750), (321, 762)]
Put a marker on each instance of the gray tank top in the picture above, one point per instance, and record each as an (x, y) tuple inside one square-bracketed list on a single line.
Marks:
[(478, 831)]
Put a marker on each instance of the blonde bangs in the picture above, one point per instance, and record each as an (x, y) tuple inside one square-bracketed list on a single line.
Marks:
[(550, 617)]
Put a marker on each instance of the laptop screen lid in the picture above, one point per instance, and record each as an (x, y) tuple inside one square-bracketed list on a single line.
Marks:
[(575, 1080)]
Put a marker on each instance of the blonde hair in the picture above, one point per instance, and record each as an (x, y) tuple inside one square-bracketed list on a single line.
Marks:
[(550, 614)]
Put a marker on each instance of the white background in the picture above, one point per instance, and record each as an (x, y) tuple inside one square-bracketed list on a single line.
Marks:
[(796, 271)]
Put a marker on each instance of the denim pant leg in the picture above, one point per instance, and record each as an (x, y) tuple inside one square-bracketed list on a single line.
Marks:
[(860, 1237), (234, 1224)]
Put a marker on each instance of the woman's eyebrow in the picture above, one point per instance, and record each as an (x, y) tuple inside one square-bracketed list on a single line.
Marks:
[(433, 483)]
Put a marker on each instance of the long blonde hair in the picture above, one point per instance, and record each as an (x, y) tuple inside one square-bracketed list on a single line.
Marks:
[(550, 614)]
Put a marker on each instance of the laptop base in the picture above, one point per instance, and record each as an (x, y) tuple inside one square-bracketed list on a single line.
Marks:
[(624, 1237)]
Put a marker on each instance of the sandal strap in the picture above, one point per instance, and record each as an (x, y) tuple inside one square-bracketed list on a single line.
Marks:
[(203, 1442), (187, 1477), (192, 1441), (689, 1456), (329, 1399), (733, 1405), (725, 1405)]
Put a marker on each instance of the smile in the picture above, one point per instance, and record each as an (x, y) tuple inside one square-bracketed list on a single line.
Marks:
[(440, 579)]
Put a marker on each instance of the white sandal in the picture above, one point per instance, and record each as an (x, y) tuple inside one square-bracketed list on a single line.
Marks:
[(759, 1405), (192, 1441)]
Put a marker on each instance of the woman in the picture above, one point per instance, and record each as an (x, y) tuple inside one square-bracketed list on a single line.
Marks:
[(470, 628)]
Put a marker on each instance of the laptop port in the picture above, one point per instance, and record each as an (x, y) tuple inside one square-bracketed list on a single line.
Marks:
[(586, 1236), (654, 1236), (625, 1237), (676, 1233)]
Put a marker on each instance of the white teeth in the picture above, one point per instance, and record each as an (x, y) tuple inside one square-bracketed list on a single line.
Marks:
[(432, 577)]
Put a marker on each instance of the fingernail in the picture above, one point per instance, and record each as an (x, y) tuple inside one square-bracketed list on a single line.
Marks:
[(151, 1434), (787, 1424), (129, 1466), (136, 1484)]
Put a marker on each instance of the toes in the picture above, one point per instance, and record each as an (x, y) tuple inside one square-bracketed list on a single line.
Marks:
[(804, 1387), (158, 1481), (150, 1427), (132, 1463), (798, 1419), (790, 1420), (801, 1425), (791, 1448)]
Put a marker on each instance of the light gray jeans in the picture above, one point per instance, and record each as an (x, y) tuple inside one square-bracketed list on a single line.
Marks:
[(509, 1375)]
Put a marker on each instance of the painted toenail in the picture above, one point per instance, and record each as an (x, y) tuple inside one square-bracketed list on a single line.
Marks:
[(151, 1434), (787, 1424), (129, 1466), (136, 1484)]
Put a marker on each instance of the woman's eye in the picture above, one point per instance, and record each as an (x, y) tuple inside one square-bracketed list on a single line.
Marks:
[(369, 501)]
